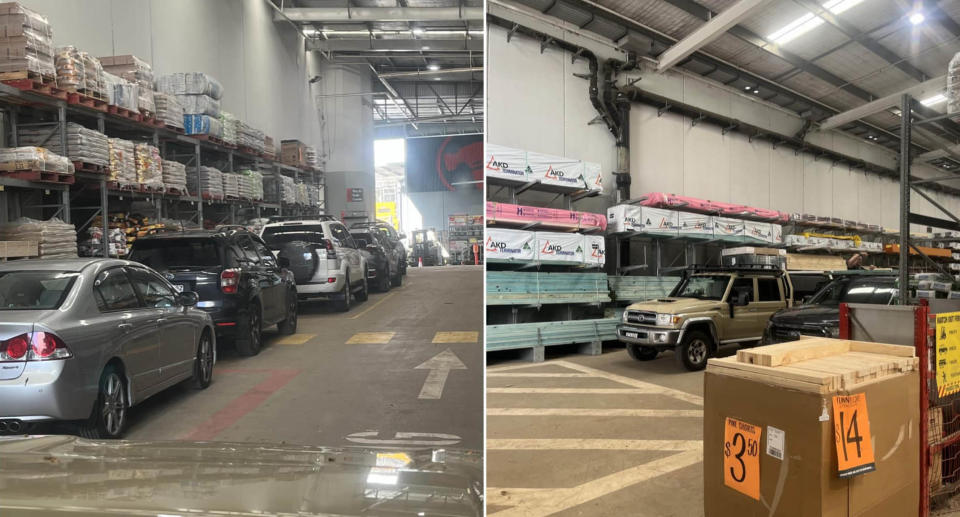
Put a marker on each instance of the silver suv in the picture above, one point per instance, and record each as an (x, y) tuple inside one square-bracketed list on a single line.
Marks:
[(325, 260)]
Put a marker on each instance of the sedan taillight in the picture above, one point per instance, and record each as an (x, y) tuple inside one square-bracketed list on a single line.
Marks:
[(15, 348), (41, 346), (230, 281), (46, 346)]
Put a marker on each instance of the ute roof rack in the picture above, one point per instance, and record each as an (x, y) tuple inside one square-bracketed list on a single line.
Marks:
[(742, 268), (316, 217)]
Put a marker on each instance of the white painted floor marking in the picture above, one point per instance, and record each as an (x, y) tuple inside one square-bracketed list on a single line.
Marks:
[(556, 375), (537, 503), (576, 391), (670, 392), (643, 413), (439, 366), (430, 439), (533, 444)]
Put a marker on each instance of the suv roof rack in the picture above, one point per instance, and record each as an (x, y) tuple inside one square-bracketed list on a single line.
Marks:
[(751, 268), (317, 217), (370, 224)]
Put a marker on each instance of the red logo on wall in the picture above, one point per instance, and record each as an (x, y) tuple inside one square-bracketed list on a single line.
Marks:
[(458, 164)]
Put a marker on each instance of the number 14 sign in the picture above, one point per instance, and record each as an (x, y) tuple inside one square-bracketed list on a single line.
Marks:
[(851, 433)]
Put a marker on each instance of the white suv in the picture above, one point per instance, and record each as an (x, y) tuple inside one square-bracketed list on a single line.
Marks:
[(325, 260)]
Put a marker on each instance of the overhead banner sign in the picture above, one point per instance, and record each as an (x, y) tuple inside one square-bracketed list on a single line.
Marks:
[(444, 163)]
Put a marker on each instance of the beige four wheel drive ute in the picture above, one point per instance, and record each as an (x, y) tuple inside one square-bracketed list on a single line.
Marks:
[(711, 306)]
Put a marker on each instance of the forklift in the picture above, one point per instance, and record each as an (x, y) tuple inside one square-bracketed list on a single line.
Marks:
[(426, 248)]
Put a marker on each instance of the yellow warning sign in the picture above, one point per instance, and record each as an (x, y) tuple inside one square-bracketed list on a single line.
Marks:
[(387, 211), (948, 353)]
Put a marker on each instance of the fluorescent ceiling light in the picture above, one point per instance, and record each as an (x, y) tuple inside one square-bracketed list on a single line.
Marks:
[(433, 67), (917, 18), (936, 99), (809, 21), (417, 30)]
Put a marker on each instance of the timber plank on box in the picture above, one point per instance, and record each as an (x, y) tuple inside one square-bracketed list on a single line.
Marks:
[(818, 365)]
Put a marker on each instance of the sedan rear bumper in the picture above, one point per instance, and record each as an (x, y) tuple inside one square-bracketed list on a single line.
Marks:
[(48, 390)]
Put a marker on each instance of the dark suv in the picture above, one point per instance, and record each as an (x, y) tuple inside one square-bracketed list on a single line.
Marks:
[(820, 314), (383, 267), (394, 238), (239, 281)]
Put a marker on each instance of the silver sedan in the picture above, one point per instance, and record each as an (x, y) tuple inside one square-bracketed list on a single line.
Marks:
[(83, 340)]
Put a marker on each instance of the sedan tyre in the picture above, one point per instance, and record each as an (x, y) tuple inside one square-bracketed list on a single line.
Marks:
[(109, 417), (203, 366)]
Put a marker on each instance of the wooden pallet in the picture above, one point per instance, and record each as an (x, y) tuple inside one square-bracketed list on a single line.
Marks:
[(40, 176), (113, 185), (34, 83), (89, 168), (174, 191), (175, 129), (80, 99), (143, 188), (124, 113), (208, 197)]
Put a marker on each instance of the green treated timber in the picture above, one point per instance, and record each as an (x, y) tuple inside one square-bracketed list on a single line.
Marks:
[(639, 288), (529, 335), (536, 288)]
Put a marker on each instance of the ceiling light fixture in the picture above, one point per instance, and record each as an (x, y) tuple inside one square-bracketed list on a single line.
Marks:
[(809, 21), (935, 99), (425, 47), (433, 67), (417, 31), (917, 17)]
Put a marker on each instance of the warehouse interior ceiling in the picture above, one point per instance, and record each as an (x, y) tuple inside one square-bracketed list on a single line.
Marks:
[(817, 59), (426, 57)]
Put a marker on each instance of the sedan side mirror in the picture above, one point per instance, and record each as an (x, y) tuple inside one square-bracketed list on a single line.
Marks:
[(283, 262), (188, 298)]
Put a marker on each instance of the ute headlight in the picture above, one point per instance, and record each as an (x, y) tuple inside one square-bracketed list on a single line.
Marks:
[(623, 317), (664, 320)]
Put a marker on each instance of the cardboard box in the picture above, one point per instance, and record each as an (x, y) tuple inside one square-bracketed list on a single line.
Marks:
[(798, 458), (10, 249)]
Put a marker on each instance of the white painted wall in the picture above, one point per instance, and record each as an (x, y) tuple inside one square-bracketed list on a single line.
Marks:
[(261, 63), (535, 103)]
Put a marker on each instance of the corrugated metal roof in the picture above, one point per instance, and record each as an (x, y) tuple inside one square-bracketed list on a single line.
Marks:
[(656, 14)]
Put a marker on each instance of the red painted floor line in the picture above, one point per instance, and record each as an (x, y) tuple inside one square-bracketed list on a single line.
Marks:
[(240, 406)]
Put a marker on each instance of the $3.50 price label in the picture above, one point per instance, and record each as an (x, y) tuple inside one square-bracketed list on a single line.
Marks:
[(851, 433), (741, 457)]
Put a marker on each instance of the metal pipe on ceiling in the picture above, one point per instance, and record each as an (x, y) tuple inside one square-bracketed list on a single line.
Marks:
[(382, 14), (472, 69)]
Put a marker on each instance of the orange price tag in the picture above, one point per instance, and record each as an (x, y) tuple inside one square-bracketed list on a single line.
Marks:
[(851, 433), (741, 457)]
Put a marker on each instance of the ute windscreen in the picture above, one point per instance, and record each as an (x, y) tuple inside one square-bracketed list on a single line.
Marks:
[(277, 236), (34, 290), (166, 254)]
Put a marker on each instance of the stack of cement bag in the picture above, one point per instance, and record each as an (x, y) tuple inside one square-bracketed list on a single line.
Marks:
[(231, 185), (33, 159), (136, 71), (169, 110), (26, 41), (175, 175), (83, 145), (57, 239), (149, 166), (122, 166), (211, 182)]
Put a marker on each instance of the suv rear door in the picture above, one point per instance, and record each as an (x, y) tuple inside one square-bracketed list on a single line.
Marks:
[(770, 299), (271, 282), (348, 249)]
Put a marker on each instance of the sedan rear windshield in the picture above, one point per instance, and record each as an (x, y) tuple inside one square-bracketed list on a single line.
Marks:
[(34, 290), (276, 236), (180, 253)]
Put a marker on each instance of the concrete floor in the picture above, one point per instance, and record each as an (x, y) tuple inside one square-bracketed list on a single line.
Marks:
[(593, 435), (346, 379)]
